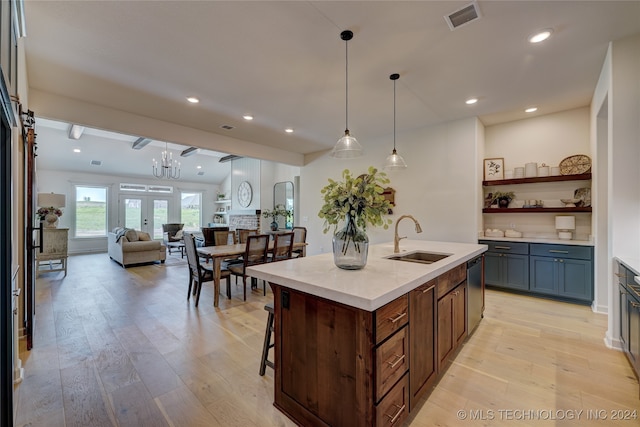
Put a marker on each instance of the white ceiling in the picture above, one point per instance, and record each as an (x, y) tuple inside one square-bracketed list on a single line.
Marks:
[(284, 62)]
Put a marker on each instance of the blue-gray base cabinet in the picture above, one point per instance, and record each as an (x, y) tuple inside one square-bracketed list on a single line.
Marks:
[(506, 265), (559, 271), (629, 316)]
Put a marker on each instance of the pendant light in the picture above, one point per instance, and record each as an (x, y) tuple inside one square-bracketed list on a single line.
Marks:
[(395, 160), (347, 146)]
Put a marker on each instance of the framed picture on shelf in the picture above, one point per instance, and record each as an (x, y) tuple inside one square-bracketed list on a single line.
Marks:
[(493, 169)]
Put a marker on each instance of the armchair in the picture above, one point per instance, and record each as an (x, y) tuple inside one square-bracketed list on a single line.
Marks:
[(172, 235)]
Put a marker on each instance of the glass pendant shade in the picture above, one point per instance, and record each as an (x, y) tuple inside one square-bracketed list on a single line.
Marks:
[(347, 147), (395, 161)]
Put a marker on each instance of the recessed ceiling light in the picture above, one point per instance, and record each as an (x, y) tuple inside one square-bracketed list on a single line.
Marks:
[(198, 167), (193, 99), (540, 37), (531, 110), (471, 101), (247, 117), (76, 150), (288, 130)]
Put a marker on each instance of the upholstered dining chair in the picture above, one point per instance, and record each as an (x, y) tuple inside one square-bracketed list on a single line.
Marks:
[(198, 273), (255, 253), (299, 236)]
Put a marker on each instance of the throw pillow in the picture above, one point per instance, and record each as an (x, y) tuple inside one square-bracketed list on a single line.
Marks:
[(131, 235), (144, 237), (178, 235)]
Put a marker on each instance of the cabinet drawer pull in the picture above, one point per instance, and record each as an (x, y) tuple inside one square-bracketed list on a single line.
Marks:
[(619, 275), (395, 362), (634, 304), (635, 291), (507, 248), (424, 291), (394, 418), (398, 317), (555, 251)]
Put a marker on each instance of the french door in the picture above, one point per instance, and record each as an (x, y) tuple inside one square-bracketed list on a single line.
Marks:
[(144, 212)]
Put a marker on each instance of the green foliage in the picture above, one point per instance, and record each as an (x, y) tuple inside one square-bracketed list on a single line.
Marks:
[(360, 197), (509, 195), (279, 210)]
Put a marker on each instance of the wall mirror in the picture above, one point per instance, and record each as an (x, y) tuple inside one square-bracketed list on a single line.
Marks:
[(283, 195)]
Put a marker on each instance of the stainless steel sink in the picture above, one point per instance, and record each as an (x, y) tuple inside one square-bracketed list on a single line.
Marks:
[(420, 257)]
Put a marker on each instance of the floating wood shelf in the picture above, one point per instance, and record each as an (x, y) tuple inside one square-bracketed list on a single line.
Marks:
[(535, 210), (555, 178)]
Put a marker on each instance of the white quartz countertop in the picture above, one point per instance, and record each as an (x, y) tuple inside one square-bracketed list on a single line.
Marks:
[(632, 264), (381, 281), (539, 240)]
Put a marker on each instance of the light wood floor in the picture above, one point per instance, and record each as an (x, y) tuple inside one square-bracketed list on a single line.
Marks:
[(116, 347)]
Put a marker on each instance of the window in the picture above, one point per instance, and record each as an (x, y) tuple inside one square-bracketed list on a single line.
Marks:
[(91, 211), (190, 211)]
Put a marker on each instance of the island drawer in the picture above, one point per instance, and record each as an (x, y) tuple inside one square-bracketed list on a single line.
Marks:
[(392, 361), (507, 247), (561, 251), (391, 317), (394, 408), (451, 279)]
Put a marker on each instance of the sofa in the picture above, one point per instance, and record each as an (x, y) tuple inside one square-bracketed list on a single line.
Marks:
[(127, 246)]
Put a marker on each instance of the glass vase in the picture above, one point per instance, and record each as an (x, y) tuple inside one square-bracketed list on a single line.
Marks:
[(350, 246)]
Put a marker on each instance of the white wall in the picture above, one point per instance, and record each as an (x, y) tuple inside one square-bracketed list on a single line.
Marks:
[(62, 182), (270, 174), (439, 187), (625, 124), (619, 85), (542, 139)]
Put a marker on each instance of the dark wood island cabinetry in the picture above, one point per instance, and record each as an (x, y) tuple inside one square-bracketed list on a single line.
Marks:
[(339, 364)]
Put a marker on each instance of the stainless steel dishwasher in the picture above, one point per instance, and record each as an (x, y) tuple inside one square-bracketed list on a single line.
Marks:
[(475, 292)]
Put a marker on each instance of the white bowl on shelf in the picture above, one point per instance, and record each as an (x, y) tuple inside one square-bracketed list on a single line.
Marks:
[(494, 233), (570, 203), (512, 233)]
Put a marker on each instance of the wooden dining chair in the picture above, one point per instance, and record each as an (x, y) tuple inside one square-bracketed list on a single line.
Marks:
[(255, 253), (198, 273), (209, 234), (243, 233), (300, 236), (224, 238), (282, 247)]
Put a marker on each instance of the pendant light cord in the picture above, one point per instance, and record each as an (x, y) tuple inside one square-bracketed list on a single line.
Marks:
[(346, 86), (394, 115)]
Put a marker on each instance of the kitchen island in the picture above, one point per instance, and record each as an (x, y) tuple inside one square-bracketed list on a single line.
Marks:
[(360, 348)]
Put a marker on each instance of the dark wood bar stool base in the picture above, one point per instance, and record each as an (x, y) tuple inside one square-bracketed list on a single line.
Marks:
[(267, 341)]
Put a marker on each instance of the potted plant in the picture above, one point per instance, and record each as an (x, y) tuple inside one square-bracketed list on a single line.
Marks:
[(503, 198), (358, 202), (278, 211)]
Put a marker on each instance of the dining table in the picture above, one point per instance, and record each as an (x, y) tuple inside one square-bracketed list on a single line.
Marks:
[(219, 253)]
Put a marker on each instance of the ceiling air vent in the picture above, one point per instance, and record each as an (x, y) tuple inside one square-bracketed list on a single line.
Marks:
[(463, 16), (200, 173), (227, 127), (96, 162)]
